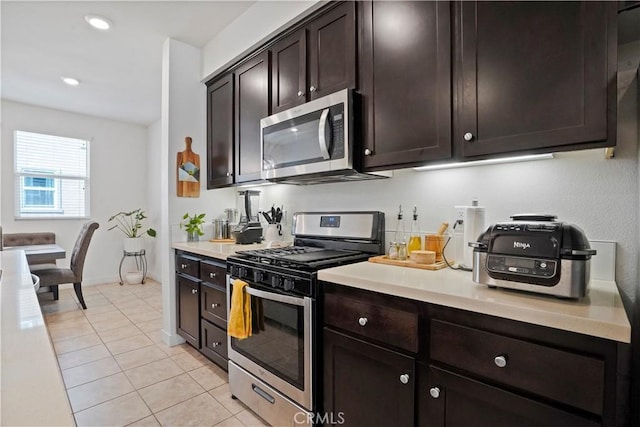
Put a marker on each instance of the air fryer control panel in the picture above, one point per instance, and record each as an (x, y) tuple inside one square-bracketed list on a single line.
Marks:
[(531, 267)]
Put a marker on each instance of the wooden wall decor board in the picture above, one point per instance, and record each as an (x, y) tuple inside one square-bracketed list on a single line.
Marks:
[(188, 171)]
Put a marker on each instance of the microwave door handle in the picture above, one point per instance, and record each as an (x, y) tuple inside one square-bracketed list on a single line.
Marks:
[(285, 299), (324, 136)]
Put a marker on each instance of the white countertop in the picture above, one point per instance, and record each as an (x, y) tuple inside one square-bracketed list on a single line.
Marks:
[(214, 249), (33, 392), (600, 314)]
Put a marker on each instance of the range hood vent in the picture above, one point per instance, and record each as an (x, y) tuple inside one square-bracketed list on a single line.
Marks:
[(348, 175)]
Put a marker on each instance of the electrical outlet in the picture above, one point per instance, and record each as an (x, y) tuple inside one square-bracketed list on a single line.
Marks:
[(459, 213)]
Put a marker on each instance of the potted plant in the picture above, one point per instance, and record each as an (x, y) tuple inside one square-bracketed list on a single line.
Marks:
[(130, 223), (193, 226)]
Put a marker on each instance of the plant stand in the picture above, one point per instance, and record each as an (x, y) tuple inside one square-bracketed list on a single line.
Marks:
[(141, 263)]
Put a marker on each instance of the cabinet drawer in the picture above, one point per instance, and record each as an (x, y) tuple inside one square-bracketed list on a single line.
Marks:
[(566, 377), (388, 325), (213, 301), (213, 273), (186, 264), (214, 343)]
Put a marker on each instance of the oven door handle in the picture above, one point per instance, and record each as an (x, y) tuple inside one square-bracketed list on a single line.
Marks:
[(286, 299)]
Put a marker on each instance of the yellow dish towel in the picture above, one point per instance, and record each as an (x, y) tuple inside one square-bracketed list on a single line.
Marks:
[(240, 313)]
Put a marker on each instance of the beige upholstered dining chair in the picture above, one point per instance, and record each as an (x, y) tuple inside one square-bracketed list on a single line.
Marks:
[(52, 276)]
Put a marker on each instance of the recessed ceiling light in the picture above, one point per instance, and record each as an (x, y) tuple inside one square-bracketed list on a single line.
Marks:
[(98, 22), (70, 81)]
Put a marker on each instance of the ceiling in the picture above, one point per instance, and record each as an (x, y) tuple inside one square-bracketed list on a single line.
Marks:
[(119, 69)]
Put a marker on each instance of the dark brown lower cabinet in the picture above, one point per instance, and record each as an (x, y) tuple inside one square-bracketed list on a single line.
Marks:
[(188, 309), (202, 304), (365, 384), (449, 399), (214, 343)]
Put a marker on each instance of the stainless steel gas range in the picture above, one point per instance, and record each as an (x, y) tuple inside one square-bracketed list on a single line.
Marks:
[(274, 371)]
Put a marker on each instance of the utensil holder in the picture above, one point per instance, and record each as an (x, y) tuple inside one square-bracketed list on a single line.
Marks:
[(435, 243)]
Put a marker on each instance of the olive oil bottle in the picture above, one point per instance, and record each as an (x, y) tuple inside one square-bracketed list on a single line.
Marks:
[(415, 241)]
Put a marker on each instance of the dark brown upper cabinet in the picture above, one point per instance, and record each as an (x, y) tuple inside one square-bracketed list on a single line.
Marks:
[(535, 75), (405, 74), (220, 132), (252, 86), (315, 60), (289, 71)]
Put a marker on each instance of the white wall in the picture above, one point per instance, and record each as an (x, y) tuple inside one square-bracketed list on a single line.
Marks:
[(154, 192), (257, 24), (118, 170)]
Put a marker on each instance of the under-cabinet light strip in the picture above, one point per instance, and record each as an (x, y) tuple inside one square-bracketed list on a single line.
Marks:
[(485, 162)]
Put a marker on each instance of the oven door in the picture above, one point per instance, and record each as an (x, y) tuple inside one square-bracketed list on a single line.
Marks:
[(310, 138), (279, 351)]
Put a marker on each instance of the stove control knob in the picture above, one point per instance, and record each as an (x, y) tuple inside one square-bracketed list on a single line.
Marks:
[(288, 284), (276, 281), (243, 273)]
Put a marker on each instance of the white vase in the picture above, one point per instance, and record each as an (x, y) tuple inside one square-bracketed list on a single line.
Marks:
[(133, 244)]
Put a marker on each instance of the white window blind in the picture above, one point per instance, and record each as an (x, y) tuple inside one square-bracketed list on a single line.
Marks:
[(51, 176)]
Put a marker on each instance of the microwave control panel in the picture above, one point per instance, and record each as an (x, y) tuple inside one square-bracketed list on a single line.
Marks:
[(336, 112)]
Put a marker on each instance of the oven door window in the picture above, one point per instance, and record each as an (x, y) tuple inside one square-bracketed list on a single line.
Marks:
[(277, 342)]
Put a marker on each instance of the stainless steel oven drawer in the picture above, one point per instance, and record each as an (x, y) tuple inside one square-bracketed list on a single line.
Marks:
[(265, 401)]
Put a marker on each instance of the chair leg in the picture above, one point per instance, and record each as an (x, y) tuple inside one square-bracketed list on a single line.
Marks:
[(54, 289), (78, 288)]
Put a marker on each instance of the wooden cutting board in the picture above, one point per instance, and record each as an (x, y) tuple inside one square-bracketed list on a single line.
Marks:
[(188, 172), (384, 259)]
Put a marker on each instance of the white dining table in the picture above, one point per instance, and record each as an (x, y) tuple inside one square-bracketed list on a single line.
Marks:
[(39, 253)]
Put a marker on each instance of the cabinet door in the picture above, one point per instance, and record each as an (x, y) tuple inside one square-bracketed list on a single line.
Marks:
[(332, 51), (535, 75), (252, 104), (289, 71), (363, 383), (452, 400), (220, 132), (405, 71), (188, 314)]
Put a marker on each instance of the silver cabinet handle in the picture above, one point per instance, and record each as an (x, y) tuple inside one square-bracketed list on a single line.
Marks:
[(500, 361), (214, 305), (362, 321), (312, 89), (404, 378), (194, 291), (468, 136), (434, 392), (183, 266), (228, 173), (300, 93), (367, 152), (212, 275), (216, 344)]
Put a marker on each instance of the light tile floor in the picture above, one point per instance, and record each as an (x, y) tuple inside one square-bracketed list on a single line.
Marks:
[(118, 372)]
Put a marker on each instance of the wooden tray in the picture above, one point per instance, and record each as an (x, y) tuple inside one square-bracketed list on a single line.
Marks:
[(384, 259), (222, 240)]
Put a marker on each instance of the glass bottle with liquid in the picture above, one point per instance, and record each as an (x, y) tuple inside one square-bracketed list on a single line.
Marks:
[(415, 241), (398, 237)]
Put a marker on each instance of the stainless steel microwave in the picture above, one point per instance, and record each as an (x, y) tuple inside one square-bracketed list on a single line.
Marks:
[(312, 143)]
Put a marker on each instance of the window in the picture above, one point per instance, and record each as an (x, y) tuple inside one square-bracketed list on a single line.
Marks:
[(52, 176)]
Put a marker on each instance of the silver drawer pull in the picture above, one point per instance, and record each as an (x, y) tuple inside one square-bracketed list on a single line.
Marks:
[(212, 275), (194, 291), (434, 392), (183, 266), (216, 344), (500, 361), (468, 136), (404, 378), (362, 321), (214, 305)]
